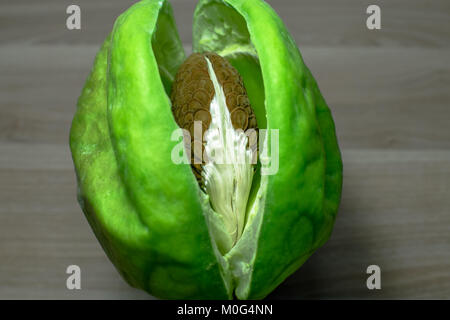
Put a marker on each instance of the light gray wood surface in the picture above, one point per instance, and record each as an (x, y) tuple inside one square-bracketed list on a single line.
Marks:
[(389, 94)]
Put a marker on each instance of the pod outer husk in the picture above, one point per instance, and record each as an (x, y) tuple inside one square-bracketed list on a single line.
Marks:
[(144, 210), (302, 198)]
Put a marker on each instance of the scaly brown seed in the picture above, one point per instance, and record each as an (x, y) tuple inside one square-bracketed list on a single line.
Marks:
[(193, 91)]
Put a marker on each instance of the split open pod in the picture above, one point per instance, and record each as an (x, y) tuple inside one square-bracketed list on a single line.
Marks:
[(208, 229)]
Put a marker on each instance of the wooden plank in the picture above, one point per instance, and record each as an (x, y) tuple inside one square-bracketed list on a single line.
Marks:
[(410, 23), (380, 98), (388, 91), (394, 213)]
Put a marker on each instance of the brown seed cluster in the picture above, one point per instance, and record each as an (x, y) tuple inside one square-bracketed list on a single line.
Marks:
[(193, 91)]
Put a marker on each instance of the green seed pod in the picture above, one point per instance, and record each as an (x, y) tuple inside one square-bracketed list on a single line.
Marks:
[(245, 227)]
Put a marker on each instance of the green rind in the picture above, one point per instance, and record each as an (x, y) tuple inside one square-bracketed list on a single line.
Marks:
[(167, 47), (143, 208), (303, 197)]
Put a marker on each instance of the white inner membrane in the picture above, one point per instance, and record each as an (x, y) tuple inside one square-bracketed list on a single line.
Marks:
[(228, 172)]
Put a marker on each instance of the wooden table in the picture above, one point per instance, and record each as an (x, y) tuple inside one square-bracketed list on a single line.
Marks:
[(389, 93)]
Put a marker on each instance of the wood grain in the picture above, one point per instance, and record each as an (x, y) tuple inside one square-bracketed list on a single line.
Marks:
[(388, 91)]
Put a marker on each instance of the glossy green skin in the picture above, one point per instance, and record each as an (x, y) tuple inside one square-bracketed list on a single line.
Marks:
[(303, 197), (142, 208), (145, 210)]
